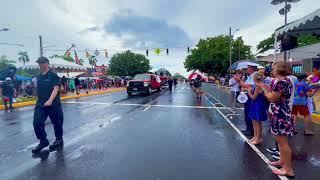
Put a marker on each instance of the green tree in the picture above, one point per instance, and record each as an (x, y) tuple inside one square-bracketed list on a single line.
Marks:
[(303, 40), (23, 57), (4, 61), (93, 61), (211, 55), (163, 71), (128, 64), (179, 76), (266, 44)]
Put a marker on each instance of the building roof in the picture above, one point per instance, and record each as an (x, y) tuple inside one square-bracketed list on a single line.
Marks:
[(298, 54), (310, 24)]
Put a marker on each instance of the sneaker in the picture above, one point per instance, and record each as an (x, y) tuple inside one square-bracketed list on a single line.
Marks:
[(273, 150), (41, 145), (276, 156), (56, 143)]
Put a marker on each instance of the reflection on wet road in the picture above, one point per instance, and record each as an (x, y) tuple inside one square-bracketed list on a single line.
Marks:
[(162, 136)]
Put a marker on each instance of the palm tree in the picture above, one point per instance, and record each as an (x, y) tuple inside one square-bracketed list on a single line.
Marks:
[(93, 61), (4, 61), (24, 58)]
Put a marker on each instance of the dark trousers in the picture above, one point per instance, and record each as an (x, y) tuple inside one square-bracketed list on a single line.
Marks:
[(170, 87), (247, 119), (40, 116)]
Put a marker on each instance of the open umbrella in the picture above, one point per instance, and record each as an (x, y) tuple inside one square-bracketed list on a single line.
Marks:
[(195, 75), (243, 65)]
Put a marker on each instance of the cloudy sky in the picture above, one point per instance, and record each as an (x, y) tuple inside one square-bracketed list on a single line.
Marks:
[(117, 25)]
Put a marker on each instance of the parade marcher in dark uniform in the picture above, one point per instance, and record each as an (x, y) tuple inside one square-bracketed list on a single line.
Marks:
[(48, 104), (170, 83), (175, 82)]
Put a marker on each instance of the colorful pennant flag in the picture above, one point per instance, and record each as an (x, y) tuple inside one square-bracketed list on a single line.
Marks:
[(157, 51), (87, 54), (68, 54), (76, 58)]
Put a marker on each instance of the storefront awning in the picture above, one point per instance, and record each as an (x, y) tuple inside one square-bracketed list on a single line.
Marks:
[(309, 24)]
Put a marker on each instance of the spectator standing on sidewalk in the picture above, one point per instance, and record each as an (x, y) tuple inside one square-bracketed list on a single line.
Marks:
[(234, 84), (48, 104), (251, 70), (300, 102), (7, 92), (258, 110), (281, 123), (77, 84)]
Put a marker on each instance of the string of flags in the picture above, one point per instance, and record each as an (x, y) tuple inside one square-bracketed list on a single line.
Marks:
[(96, 53)]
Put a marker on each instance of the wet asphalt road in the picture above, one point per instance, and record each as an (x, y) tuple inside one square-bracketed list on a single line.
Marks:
[(111, 136)]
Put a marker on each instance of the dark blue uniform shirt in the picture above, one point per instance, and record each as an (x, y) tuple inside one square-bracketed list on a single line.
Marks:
[(45, 85)]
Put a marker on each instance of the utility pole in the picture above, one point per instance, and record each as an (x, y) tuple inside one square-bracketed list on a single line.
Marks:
[(230, 46), (285, 23), (41, 48), (284, 11)]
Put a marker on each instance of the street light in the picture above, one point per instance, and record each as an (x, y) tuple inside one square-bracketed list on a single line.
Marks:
[(230, 43), (4, 29), (12, 44), (284, 12)]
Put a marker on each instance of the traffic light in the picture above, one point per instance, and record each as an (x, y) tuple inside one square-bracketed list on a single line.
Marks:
[(167, 51), (106, 53), (147, 52), (288, 43), (188, 50)]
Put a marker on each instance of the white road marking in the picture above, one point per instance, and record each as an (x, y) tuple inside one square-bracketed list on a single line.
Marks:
[(94, 128), (260, 154), (148, 107), (85, 106)]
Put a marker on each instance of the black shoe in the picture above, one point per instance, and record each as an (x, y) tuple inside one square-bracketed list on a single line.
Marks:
[(247, 133), (276, 156), (273, 151), (56, 143), (41, 145)]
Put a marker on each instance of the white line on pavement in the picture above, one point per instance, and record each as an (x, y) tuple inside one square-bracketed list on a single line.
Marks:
[(260, 154), (85, 106), (147, 105), (145, 109)]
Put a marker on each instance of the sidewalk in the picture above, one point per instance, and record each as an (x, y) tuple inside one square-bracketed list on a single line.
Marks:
[(306, 149), (69, 96)]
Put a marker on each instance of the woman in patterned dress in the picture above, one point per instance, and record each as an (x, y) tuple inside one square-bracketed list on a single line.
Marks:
[(281, 123)]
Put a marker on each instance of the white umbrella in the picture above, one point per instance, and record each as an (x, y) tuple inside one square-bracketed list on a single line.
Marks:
[(246, 64)]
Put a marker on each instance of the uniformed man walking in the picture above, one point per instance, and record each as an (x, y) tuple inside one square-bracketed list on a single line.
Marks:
[(48, 104)]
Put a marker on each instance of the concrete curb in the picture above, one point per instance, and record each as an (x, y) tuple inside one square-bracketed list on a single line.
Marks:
[(30, 103), (316, 118)]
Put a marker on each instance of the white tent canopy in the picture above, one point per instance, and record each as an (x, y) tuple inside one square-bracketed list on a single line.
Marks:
[(57, 63), (309, 24)]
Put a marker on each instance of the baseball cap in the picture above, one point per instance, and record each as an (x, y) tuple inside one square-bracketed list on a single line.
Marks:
[(42, 60)]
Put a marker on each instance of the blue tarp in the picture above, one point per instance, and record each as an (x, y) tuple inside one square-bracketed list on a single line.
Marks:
[(22, 78)]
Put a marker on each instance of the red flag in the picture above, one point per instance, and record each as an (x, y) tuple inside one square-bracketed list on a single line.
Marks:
[(76, 58)]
